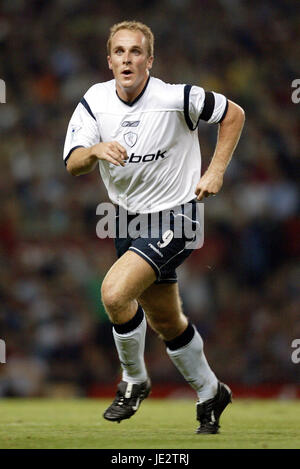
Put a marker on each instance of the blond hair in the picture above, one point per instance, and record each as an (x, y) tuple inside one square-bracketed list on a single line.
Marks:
[(133, 26)]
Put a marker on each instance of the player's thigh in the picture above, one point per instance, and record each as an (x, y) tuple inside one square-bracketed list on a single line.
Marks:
[(162, 303), (128, 277)]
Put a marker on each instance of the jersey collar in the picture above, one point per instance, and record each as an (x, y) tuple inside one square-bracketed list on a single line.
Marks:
[(131, 103)]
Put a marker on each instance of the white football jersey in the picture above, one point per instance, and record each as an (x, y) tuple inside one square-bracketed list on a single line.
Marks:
[(158, 131)]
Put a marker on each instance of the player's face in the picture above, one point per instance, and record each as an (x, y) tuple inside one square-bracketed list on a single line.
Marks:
[(129, 62)]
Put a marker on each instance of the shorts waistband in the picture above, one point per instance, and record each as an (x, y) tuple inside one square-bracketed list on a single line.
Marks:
[(160, 211)]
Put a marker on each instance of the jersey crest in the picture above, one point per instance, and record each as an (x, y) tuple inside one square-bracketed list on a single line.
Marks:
[(130, 138)]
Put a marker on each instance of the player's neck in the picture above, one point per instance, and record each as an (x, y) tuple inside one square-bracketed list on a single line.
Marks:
[(128, 95)]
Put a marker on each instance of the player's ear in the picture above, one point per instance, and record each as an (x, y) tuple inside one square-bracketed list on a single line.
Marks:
[(109, 62), (150, 62)]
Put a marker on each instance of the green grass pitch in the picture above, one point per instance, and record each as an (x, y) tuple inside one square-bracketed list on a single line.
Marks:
[(159, 424)]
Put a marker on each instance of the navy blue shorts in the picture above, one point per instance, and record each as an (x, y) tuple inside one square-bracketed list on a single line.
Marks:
[(164, 239)]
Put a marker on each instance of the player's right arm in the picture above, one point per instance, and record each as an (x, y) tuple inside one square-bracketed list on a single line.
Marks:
[(83, 160), (83, 144)]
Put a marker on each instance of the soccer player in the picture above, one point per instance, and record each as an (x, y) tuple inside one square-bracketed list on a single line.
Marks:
[(142, 133)]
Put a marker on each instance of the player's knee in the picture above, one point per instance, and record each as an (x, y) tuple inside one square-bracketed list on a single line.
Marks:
[(112, 298), (165, 329), (168, 328)]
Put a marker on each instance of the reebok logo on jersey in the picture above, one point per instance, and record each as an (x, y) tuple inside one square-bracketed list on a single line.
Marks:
[(130, 123), (146, 158)]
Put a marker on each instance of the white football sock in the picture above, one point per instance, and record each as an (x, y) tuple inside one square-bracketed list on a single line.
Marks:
[(130, 347), (192, 364)]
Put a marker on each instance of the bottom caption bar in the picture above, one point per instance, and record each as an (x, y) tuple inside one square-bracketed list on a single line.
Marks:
[(147, 458)]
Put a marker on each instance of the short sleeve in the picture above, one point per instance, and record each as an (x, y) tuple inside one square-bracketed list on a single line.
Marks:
[(82, 130), (199, 104)]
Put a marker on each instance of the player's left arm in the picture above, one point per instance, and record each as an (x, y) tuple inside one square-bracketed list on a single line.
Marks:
[(228, 136)]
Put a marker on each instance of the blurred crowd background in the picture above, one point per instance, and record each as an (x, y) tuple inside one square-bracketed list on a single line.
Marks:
[(241, 288)]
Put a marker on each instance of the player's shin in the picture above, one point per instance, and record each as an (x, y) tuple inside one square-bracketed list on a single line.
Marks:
[(186, 352), (130, 343)]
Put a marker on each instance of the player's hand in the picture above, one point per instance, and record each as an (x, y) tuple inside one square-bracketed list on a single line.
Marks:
[(210, 184), (112, 152)]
